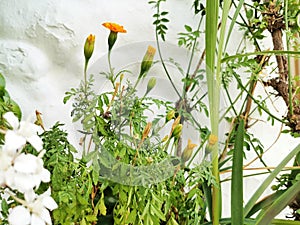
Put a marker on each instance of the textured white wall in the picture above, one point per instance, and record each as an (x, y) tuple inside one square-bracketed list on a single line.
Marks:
[(41, 53), (41, 44)]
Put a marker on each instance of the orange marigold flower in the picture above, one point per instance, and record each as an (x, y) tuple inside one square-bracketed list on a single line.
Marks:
[(114, 27)]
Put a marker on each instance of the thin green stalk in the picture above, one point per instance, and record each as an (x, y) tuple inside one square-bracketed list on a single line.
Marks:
[(268, 52), (85, 77), (111, 72), (256, 102), (288, 57), (162, 60), (191, 57), (233, 21)]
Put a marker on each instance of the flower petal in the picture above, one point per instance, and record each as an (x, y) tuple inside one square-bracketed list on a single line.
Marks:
[(45, 175), (26, 163), (36, 142), (19, 215), (11, 119), (49, 203), (36, 220), (13, 141)]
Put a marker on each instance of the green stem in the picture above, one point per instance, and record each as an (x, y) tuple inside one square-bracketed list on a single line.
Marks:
[(288, 57), (85, 77), (191, 58), (111, 72), (162, 60)]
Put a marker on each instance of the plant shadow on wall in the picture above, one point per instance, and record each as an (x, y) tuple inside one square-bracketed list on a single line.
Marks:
[(137, 159)]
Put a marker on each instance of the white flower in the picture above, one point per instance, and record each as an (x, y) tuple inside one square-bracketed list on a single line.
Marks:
[(21, 133), (26, 173), (34, 211), (19, 215), (6, 160)]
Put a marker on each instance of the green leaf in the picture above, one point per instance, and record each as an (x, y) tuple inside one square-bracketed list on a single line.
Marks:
[(249, 14), (66, 98), (269, 179), (102, 206), (2, 82), (279, 204), (132, 216), (237, 177), (4, 207), (157, 212), (188, 28)]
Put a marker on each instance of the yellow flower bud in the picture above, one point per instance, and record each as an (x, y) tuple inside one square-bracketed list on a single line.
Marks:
[(188, 151), (151, 84), (146, 130), (177, 131), (212, 140), (147, 61), (170, 115), (121, 77), (165, 138), (89, 47)]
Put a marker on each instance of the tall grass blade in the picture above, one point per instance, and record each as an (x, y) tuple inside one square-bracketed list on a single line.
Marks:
[(237, 217), (267, 216), (269, 179)]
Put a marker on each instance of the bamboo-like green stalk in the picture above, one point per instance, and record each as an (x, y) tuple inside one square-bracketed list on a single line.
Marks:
[(213, 71), (213, 97)]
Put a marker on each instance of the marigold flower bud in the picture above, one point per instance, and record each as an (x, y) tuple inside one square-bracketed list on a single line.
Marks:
[(188, 151), (151, 84), (112, 38), (212, 140), (177, 131), (165, 138), (147, 61), (146, 130), (89, 47), (170, 115)]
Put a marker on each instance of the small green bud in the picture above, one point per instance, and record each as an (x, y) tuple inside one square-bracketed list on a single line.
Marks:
[(177, 131), (187, 152), (147, 61), (112, 38), (212, 140), (170, 115), (89, 47), (151, 84)]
